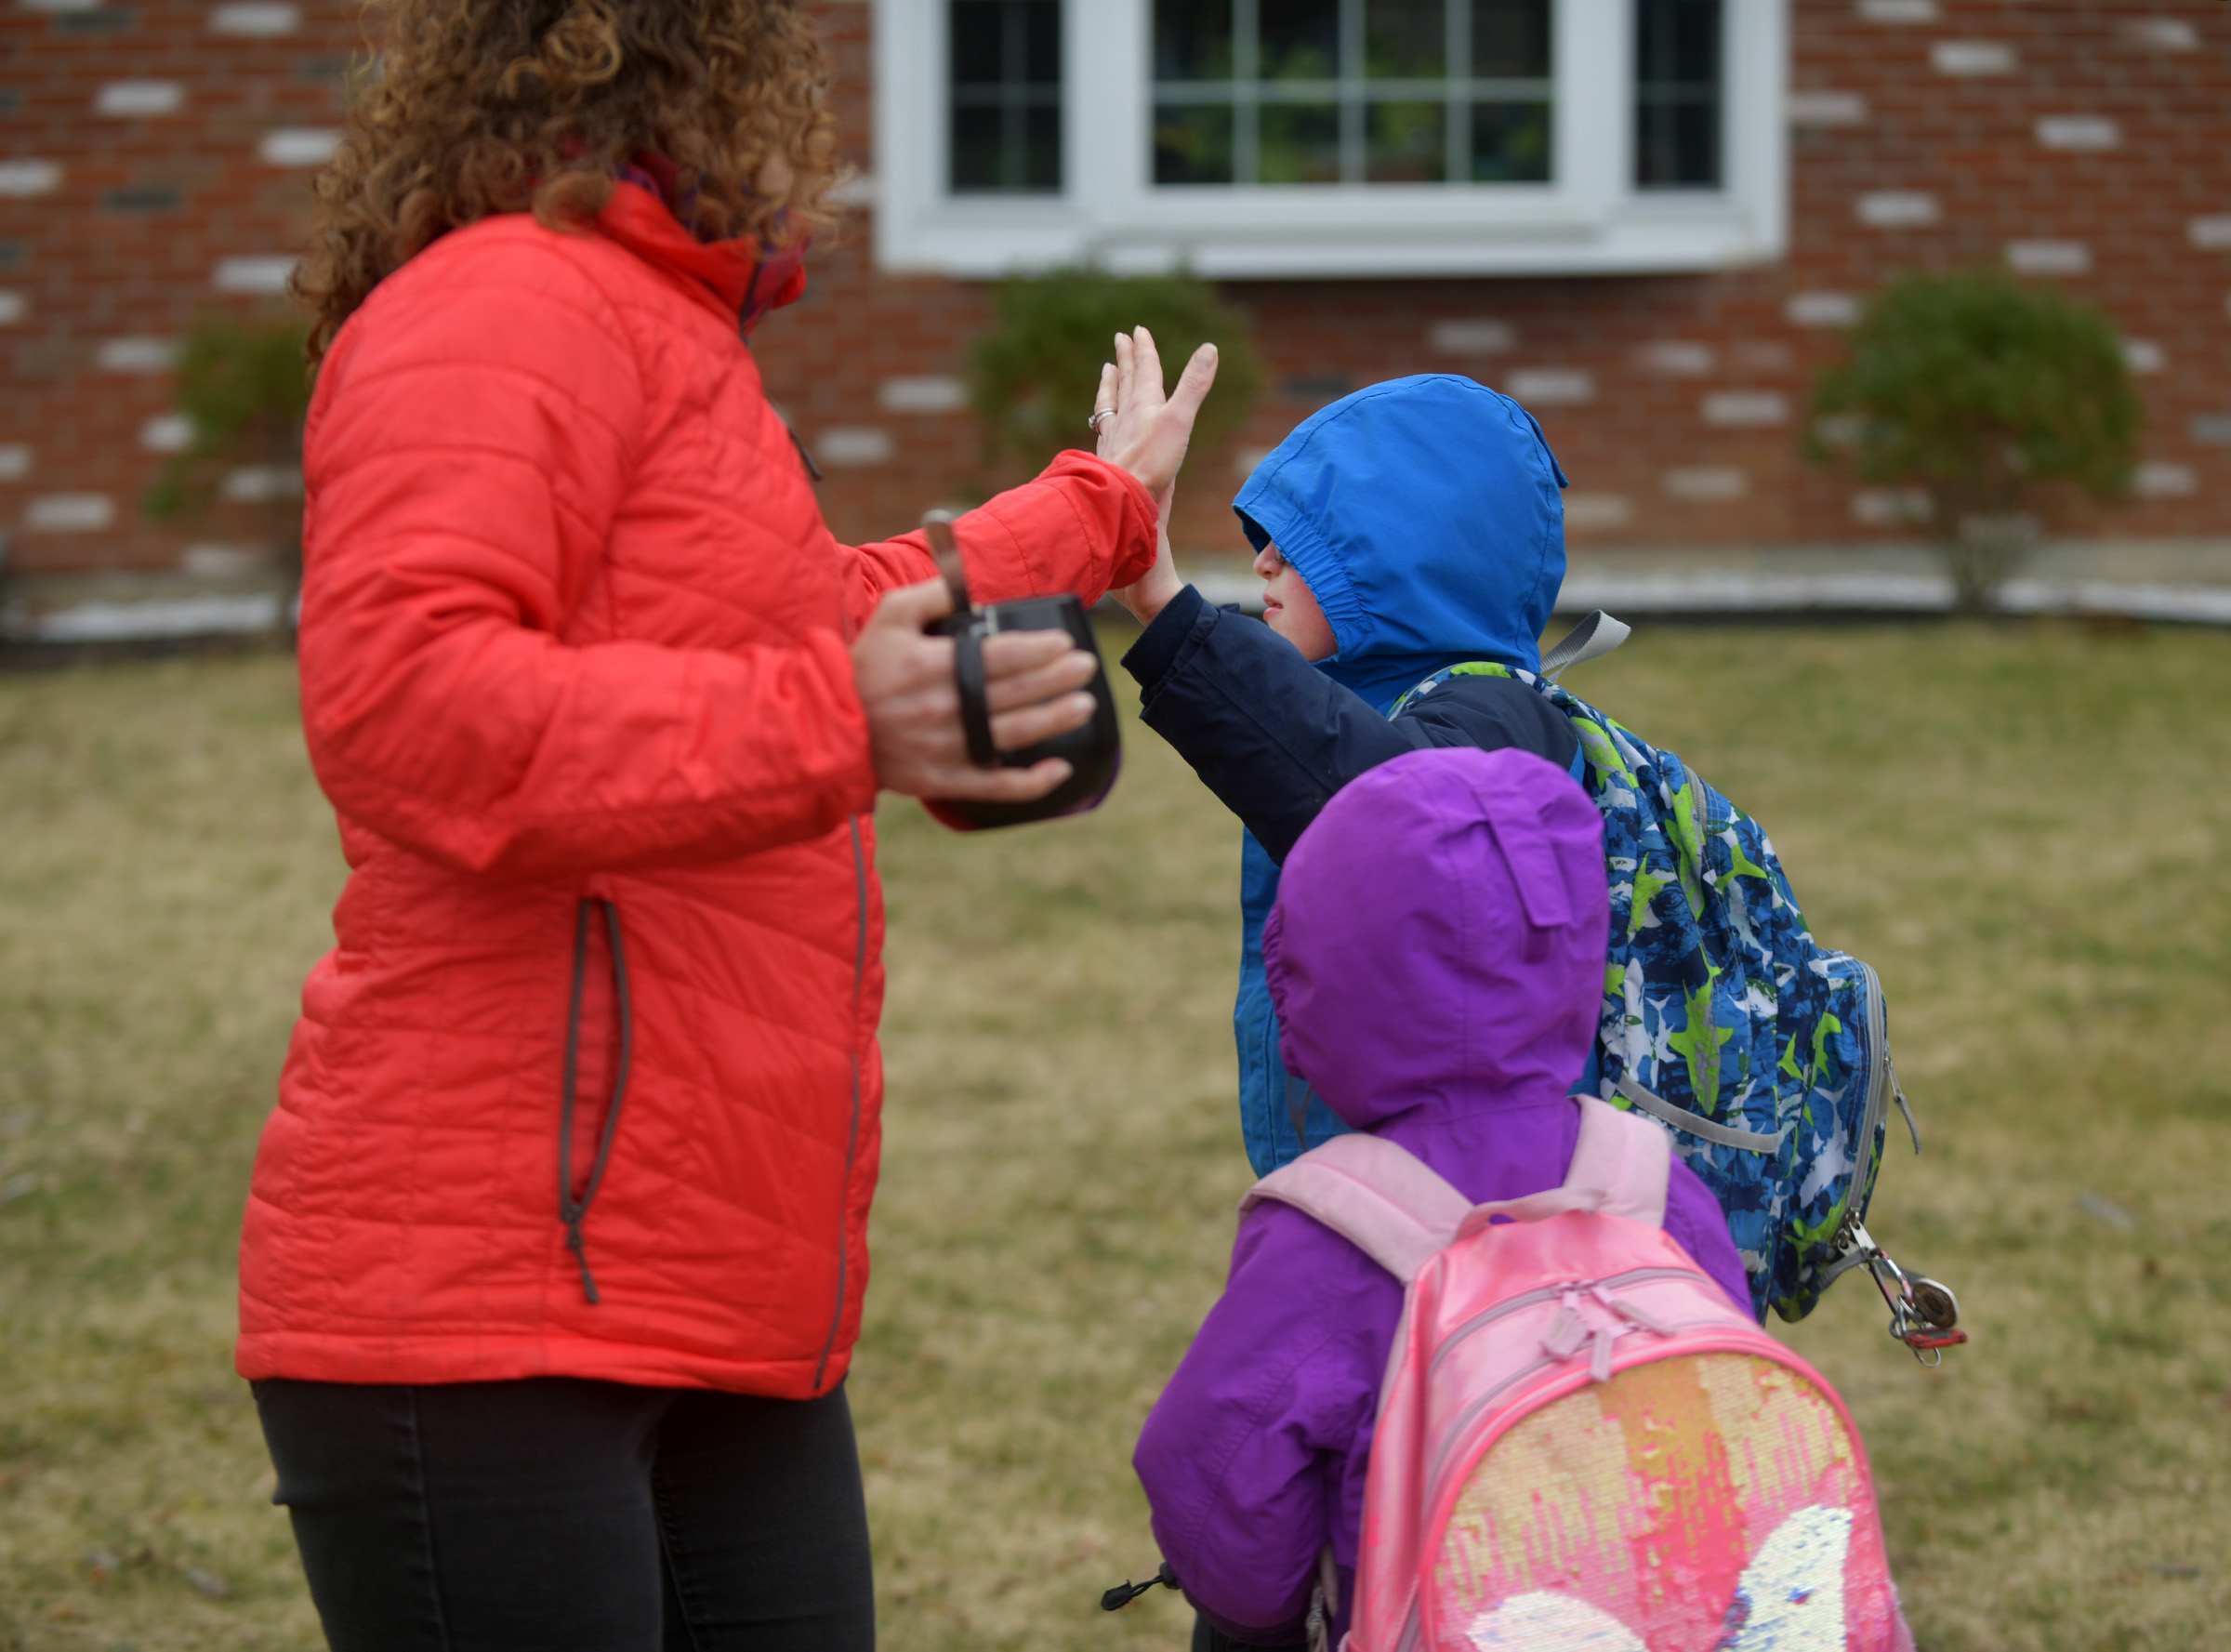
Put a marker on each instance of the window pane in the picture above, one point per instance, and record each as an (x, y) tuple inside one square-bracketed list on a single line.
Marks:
[(1006, 95), (1677, 93), (1300, 39), (1511, 143), (1193, 143), (1406, 39), (977, 31), (1406, 143), (975, 150), (1041, 161), (1231, 105), (1192, 39), (1511, 39), (1300, 143), (1041, 32)]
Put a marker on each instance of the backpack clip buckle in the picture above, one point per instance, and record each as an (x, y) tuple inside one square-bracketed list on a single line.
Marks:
[(1925, 1314)]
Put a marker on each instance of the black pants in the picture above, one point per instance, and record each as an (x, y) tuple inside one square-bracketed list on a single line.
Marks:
[(555, 1514)]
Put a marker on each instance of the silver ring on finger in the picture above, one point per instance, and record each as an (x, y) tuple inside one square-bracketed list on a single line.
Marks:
[(1098, 419)]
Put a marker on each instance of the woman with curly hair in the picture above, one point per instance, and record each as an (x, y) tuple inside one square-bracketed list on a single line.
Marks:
[(554, 1253)]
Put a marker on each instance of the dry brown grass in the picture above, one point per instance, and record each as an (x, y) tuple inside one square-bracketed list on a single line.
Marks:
[(2023, 828)]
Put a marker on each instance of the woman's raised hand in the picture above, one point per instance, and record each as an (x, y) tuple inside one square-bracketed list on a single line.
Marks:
[(1148, 431)]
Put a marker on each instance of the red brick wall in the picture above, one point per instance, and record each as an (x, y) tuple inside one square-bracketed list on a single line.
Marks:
[(126, 242), (121, 251)]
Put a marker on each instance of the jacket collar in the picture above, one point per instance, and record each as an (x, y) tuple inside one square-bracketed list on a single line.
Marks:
[(729, 276)]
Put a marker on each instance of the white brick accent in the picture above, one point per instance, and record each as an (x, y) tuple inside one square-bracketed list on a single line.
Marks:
[(218, 562), (2049, 257), (1841, 429), (298, 146), (255, 19), (57, 5), (1706, 485), (2143, 355), (15, 461), (70, 513), (1897, 209), (1551, 386), (30, 178), (1967, 58), (253, 275), (1746, 410), (2160, 481), (137, 355), (133, 100), (854, 445), (14, 307), (1898, 11), (1677, 358), (1821, 310), (1477, 338), (1827, 109), (2165, 35), (2213, 234), (928, 395), (261, 485), (168, 432), (1247, 459), (1595, 511), (2078, 132), (1890, 507)]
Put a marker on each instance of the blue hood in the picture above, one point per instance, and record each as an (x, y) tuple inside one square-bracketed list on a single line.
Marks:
[(1424, 515)]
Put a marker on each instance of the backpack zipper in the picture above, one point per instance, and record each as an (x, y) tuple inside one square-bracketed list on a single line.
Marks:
[(1543, 1294), (1465, 1418), (1881, 1079)]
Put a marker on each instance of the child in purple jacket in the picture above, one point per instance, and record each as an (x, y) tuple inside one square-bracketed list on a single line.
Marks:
[(1418, 1000)]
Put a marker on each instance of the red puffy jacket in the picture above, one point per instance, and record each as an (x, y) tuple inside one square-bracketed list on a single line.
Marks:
[(588, 1085)]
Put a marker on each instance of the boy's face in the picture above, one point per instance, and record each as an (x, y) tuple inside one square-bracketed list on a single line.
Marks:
[(1291, 609)]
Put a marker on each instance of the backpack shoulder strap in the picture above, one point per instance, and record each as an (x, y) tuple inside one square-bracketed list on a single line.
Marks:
[(1630, 1157), (1380, 1197)]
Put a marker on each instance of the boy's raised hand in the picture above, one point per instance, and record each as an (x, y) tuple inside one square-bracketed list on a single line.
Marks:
[(1148, 432)]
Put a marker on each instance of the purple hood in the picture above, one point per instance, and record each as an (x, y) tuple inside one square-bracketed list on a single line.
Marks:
[(1439, 937), (1437, 959)]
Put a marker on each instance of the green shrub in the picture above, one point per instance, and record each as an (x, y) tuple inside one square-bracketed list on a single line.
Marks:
[(1989, 396), (1032, 379), (244, 389)]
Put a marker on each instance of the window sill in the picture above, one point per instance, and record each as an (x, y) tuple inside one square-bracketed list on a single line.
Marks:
[(1329, 232)]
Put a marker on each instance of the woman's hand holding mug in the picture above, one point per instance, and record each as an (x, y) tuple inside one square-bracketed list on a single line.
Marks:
[(1032, 682)]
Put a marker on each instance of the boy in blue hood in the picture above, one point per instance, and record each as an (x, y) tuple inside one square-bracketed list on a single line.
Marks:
[(1407, 527)]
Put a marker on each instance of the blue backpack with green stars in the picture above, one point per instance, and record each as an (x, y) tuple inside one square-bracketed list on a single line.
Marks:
[(1767, 1054)]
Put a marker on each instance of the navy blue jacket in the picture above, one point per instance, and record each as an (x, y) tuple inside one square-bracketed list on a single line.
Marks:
[(1424, 516)]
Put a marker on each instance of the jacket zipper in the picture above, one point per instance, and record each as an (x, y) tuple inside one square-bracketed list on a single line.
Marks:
[(852, 1133), (572, 1210)]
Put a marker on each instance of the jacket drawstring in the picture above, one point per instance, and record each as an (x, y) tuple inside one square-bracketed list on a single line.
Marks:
[(573, 1211)]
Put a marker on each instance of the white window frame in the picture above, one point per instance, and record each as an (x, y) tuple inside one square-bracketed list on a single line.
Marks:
[(1590, 219)]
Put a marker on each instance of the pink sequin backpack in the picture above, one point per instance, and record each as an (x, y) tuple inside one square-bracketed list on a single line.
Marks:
[(1582, 1445)]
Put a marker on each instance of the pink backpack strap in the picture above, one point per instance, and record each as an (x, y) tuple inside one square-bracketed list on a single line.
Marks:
[(1380, 1197), (1626, 1157)]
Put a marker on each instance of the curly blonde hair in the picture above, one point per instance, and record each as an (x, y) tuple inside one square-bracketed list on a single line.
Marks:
[(485, 106)]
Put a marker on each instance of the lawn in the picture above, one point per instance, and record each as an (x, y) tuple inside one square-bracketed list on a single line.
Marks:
[(2023, 827)]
